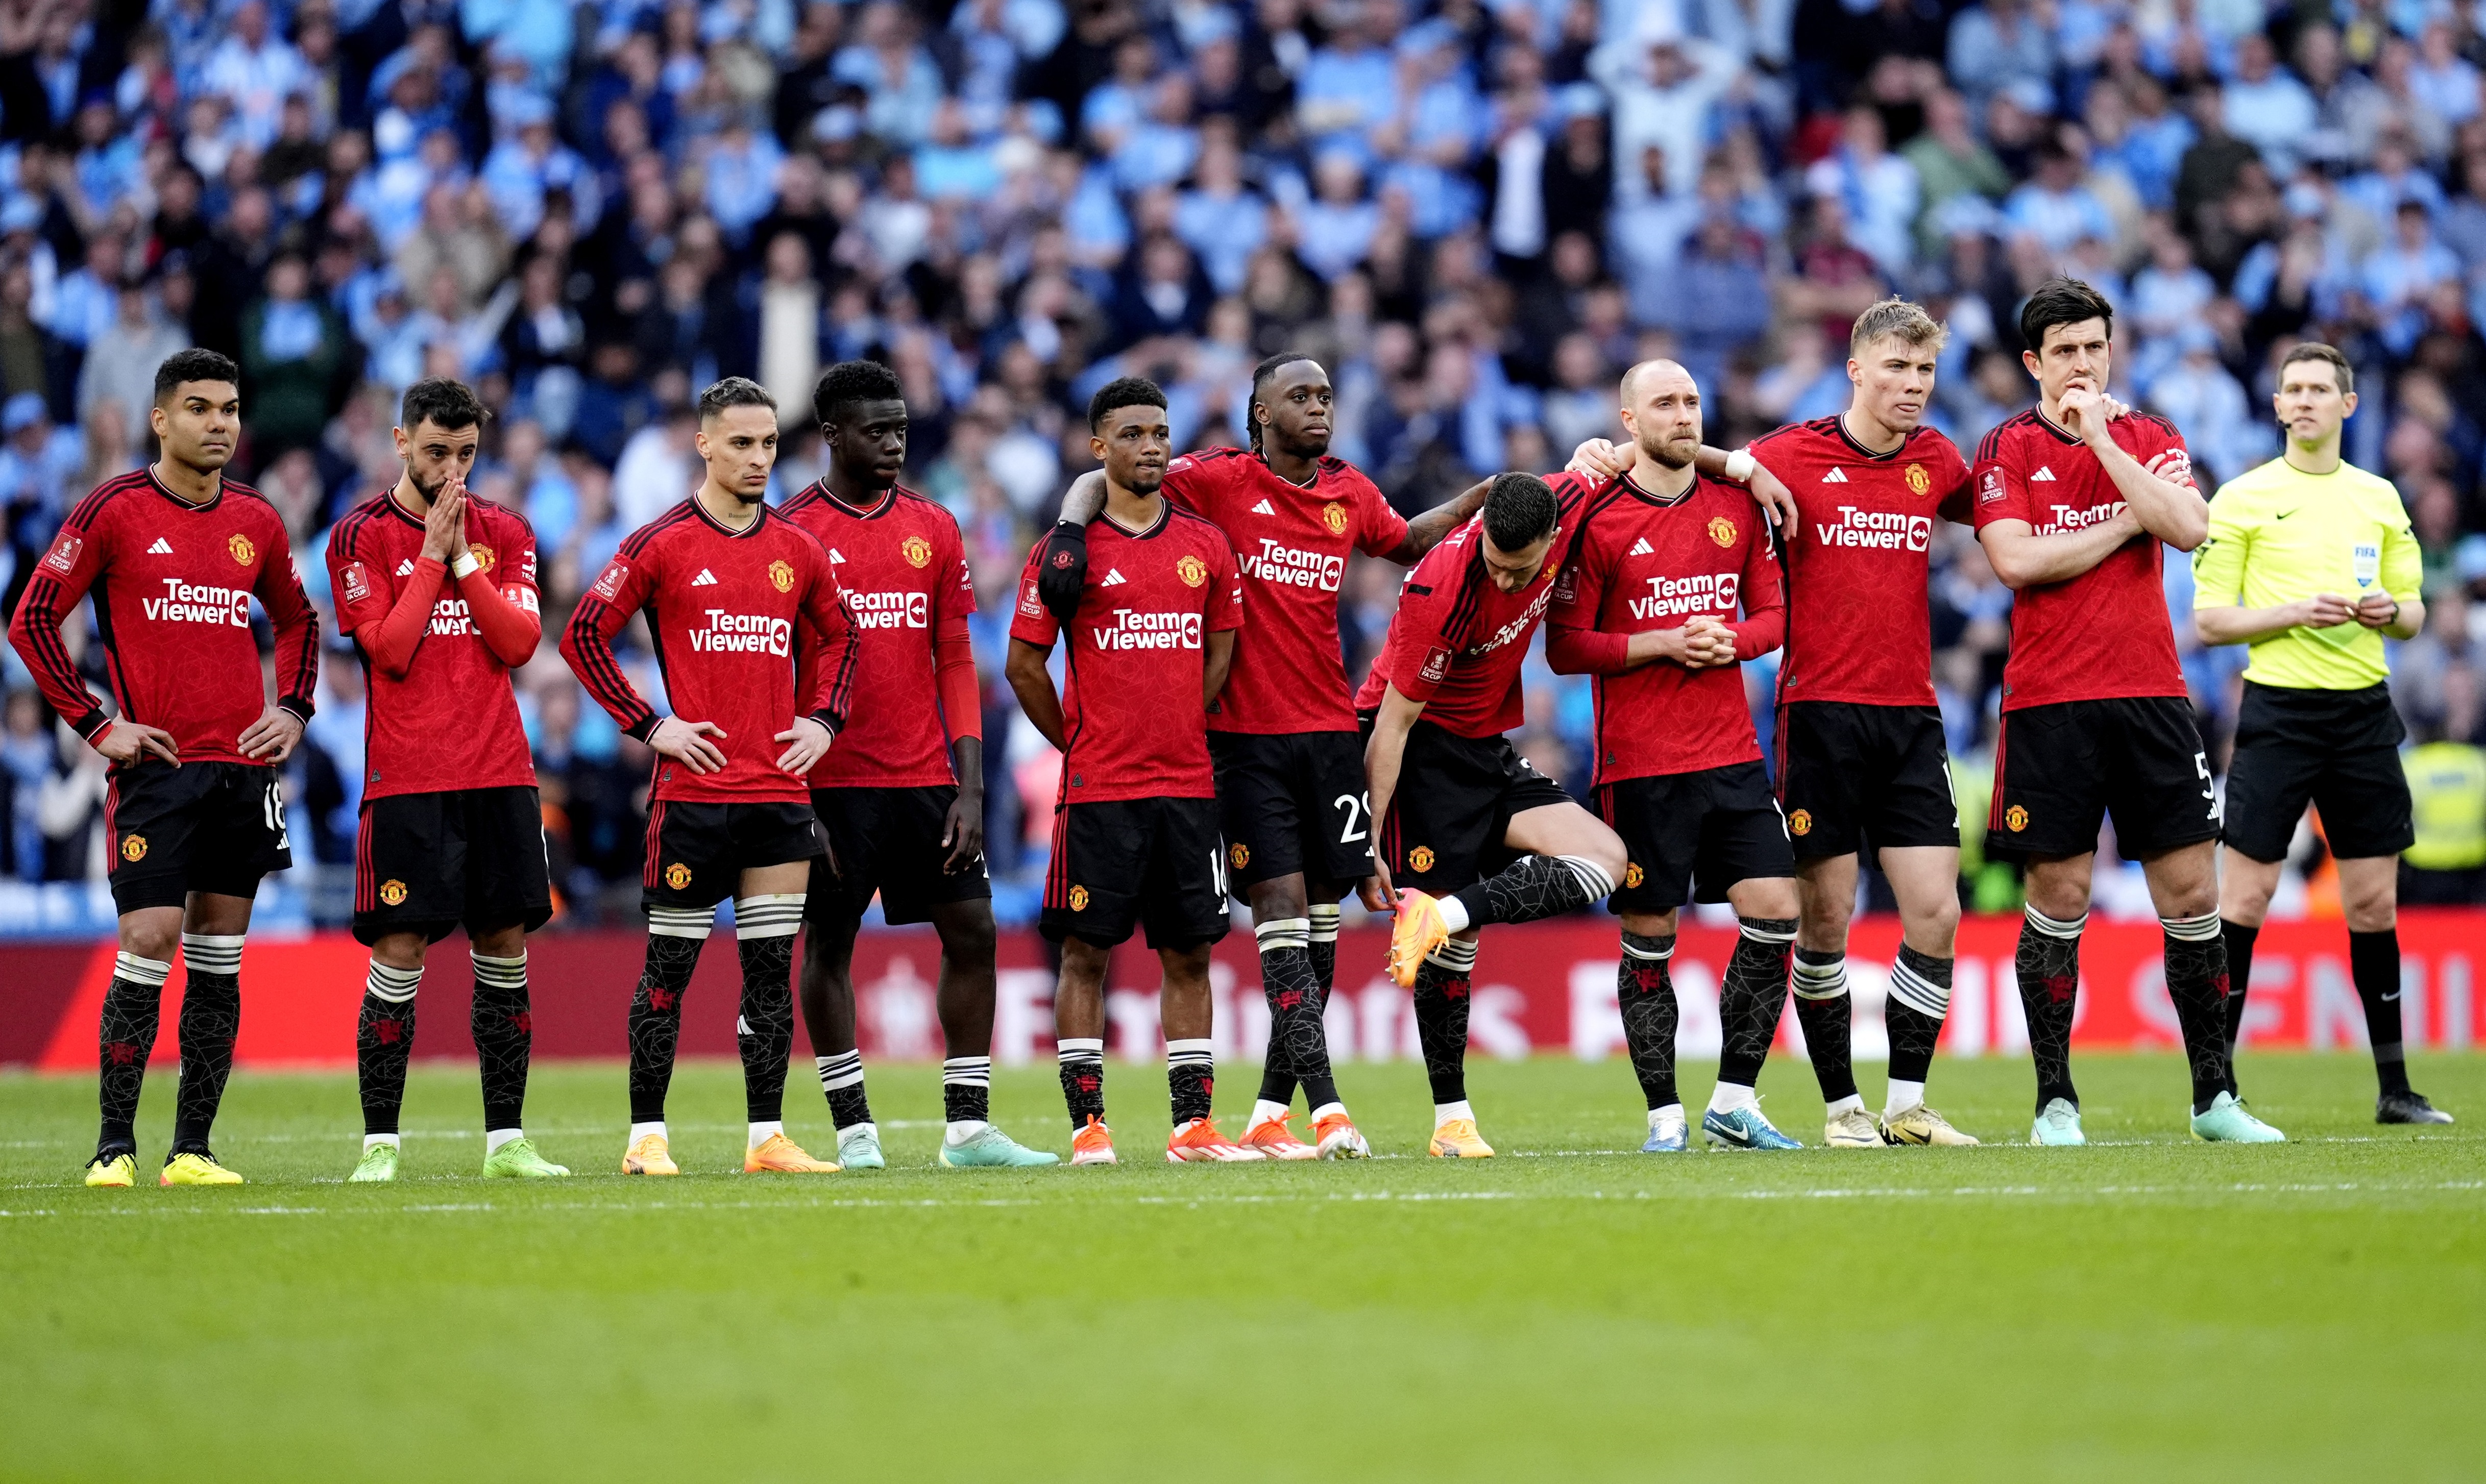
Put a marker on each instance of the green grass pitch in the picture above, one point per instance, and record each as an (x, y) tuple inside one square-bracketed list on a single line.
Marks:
[(2147, 1307)]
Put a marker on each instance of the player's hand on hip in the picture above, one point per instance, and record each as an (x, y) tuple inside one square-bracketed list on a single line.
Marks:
[(962, 834), (444, 524), (127, 741), (1375, 891), (808, 742), (1599, 459), (1775, 499), (687, 743), (272, 737), (2327, 610)]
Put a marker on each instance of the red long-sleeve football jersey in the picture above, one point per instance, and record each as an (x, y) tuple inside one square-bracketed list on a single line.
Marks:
[(172, 584), (725, 608)]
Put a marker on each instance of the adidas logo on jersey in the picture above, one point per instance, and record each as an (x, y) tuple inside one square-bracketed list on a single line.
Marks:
[(161, 548), (2045, 474), (1641, 548), (1835, 477), (405, 569), (1114, 577), (1264, 507), (705, 579), (837, 558)]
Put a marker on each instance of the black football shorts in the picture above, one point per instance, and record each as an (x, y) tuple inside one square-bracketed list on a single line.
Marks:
[(696, 851), (1691, 836), (1852, 774), (2339, 751), (2060, 770), (430, 862), (888, 841), (1123, 864), (202, 827), (1293, 803), (1455, 800)]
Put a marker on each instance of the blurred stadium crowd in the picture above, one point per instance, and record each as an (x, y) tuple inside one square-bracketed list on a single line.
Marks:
[(1474, 213)]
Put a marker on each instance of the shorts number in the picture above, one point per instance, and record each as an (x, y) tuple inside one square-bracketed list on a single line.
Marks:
[(1217, 871), (1358, 809), (273, 807), (2209, 790)]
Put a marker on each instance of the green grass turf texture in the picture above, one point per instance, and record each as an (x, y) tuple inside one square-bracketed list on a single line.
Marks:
[(2145, 1308)]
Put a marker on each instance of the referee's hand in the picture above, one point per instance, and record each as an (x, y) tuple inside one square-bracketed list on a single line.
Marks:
[(2328, 610)]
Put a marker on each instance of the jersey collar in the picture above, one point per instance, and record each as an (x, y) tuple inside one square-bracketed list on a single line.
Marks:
[(720, 526), (2061, 433), (1839, 426), (1632, 487), (888, 501), (166, 491), (1165, 513)]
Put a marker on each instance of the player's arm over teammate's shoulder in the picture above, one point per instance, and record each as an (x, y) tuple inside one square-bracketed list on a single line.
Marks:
[(1425, 531)]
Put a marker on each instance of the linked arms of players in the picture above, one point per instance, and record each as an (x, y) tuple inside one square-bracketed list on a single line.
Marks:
[(1602, 458), (1425, 531)]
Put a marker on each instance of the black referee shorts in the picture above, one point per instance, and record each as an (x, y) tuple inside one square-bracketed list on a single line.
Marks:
[(429, 862), (2336, 750), (2061, 769), (1851, 774)]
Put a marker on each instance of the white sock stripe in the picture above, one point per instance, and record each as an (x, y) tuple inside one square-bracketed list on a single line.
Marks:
[(1457, 954), (843, 1069), (1819, 981), (487, 973), (1324, 920), (1749, 928), (2056, 927), (212, 952), (1919, 993), (967, 1072), (1079, 1048), (1592, 877), (1645, 956), (681, 921), (775, 914), (387, 982), (2201, 929), (141, 970), (1283, 933), (1190, 1053)]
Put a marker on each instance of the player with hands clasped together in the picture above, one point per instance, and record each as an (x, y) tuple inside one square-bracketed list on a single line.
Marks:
[(740, 601)]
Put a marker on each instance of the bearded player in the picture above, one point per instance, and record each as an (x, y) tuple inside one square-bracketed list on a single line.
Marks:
[(1134, 840), (2072, 509), (738, 599), (1482, 835), (174, 553), (1282, 734), (904, 819), (438, 590)]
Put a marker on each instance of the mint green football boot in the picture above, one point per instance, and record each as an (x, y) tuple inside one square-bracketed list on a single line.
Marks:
[(2227, 1122), (993, 1149)]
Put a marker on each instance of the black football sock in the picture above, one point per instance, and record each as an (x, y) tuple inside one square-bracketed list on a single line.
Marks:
[(132, 1005), (1920, 1001), (1191, 1078), (505, 1033), (383, 1041), (1082, 1078), (1752, 997), (1825, 1011), (842, 1084), (2240, 950), (1296, 1034), (763, 935), (1650, 1015), (1534, 886), (1442, 1017), (967, 1090), (210, 1020), (1278, 1082), (1324, 946), (2197, 981), (675, 937), (2047, 965), (2374, 962)]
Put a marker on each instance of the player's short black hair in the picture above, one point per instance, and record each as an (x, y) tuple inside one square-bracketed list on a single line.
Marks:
[(733, 392), (1260, 375), (1519, 512), (448, 404), (193, 364), (2061, 301), (849, 382), (1119, 392)]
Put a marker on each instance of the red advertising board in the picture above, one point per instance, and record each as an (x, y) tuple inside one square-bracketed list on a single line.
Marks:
[(1547, 988)]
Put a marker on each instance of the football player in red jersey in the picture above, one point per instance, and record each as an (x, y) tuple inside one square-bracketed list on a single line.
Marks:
[(904, 819), (1135, 837), (2072, 509), (738, 600), (438, 591), (1289, 761), (1461, 813), (1668, 588), (173, 554)]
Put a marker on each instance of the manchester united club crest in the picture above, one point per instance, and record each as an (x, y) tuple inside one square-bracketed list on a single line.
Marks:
[(1919, 481), (1078, 899), (1421, 858), (2015, 819), (1192, 570), (782, 575), (242, 550), (1062, 560), (392, 892), (1240, 854), (1334, 516), (134, 848), (677, 876), (1633, 875), (1722, 531), (1800, 822), (917, 551), (485, 559)]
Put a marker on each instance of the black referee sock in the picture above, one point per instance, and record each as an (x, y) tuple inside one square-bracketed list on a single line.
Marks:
[(1298, 1042), (383, 1042), (210, 1020), (675, 937), (2048, 967), (1534, 886), (2374, 962), (2197, 981), (763, 932), (503, 1028), (2239, 940), (1441, 1002), (133, 1005), (1823, 1009), (1752, 997), (1645, 995)]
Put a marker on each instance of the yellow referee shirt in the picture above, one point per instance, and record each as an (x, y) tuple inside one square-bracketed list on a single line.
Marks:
[(2278, 535)]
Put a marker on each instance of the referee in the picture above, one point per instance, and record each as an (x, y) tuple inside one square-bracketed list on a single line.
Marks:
[(2311, 561)]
